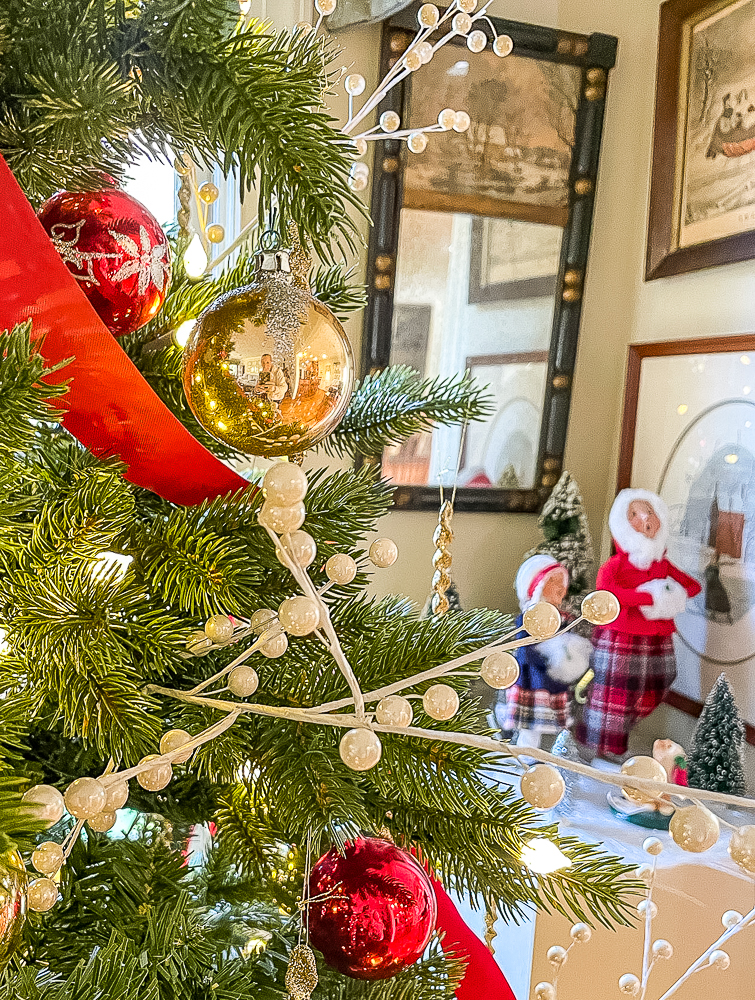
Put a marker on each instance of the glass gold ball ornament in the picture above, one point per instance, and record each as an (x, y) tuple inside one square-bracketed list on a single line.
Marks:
[(154, 779), (42, 895), (652, 846), (243, 681), (215, 233), (542, 620), (268, 369), (103, 821), (499, 670), (503, 45), (663, 949), (341, 568), (360, 749), (355, 84), (219, 628), (173, 740), (47, 857), (383, 552), (394, 711), (284, 483), (742, 848), (208, 192), (85, 797), (446, 119), (719, 960), (629, 985), (275, 647), (462, 23), (301, 548), (282, 520), (542, 786), (14, 884), (600, 608), (428, 15), (581, 933), (416, 142), (556, 955), (545, 991), (441, 702), (389, 121), (117, 795), (299, 615), (694, 829), (642, 767), (262, 619), (46, 803)]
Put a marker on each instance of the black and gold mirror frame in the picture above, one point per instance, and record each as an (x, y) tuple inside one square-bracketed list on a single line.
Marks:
[(590, 58)]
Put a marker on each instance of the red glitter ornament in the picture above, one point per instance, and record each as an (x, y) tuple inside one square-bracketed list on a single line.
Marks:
[(378, 912), (115, 249)]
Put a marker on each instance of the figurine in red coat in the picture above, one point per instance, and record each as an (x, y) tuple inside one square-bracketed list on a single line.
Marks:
[(633, 657)]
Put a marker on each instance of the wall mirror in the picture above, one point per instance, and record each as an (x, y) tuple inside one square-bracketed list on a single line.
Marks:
[(478, 253)]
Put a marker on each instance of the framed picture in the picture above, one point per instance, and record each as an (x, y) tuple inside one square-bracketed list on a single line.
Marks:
[(702, 198), (511, 259), (689, 435)]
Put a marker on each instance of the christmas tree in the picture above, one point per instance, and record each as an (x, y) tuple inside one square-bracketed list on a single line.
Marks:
[(124, 612), (566, 534), (715, 758)]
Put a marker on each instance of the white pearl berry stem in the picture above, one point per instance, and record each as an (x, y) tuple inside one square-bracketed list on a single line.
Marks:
[(648, 960), (702, 961), (271, 633)]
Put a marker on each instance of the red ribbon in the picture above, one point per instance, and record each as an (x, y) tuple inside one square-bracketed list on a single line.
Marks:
[(109, 406)]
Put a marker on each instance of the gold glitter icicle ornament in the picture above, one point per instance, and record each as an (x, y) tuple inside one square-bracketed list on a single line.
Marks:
[(14, 885), (301, 974), (442, 536), (267, 368)]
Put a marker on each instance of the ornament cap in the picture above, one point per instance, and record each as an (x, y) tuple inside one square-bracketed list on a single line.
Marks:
[(273, 262)]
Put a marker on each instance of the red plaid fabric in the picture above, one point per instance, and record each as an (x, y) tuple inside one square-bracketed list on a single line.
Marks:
[(526, 709), (632, 675)]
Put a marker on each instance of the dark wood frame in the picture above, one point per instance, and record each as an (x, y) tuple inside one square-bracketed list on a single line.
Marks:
[(523, 288), (663, 257), (595, 55), (663, 349)]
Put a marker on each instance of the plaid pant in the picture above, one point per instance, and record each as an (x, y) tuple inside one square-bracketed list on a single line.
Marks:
[(632, 675)]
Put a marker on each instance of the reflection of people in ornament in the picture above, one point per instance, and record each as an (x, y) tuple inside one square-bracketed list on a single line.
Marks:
[(633, 658), (271, 382), (541, 701)]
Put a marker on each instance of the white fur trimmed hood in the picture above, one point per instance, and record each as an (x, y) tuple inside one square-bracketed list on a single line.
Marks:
[(642, 551), (541, 565)]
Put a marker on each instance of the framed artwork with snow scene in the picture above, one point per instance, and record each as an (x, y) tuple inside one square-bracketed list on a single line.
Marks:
[(702, 200), (689, 435)]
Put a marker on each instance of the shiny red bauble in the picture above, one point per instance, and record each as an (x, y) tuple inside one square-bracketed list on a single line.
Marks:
[(378, 910), (115, 249)]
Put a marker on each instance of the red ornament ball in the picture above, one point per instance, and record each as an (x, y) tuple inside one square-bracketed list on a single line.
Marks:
[(115, 249), (379, 910)]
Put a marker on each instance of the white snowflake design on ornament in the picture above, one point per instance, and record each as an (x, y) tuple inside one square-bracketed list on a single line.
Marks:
[(147, 261), (70, 253)]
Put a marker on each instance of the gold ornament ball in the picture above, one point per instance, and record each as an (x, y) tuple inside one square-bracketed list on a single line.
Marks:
[(545, 991), (262, 620), (219, 628), (208, 193), (14, 884), (47, 857), (652, 846), (499, 670), (282, 520), (315, 358), (742, 848), (601, 607), (694, 829), (629, 985), (663, 949), (383, 552), (440, 702), (85, 797), (542, 786), (43, 895), (556, 955), (155, 778), (447, 119), (46, 803), (581, 933), (117, 795), (503, 45), (719, 960), (285, 483), (299, 615), (416, 142), (642, 767), (394, 711), (215, 233), (243, 681), (428, 15), (462, 23), (275, 647), (542, 620), (103, 821), (341, 568), (174, 739), (360, 749)]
